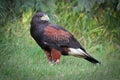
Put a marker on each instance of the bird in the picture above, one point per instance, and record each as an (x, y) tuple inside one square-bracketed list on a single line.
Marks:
[(55, 40)]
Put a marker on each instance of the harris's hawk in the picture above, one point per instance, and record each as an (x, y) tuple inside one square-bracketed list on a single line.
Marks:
[(55, 40)]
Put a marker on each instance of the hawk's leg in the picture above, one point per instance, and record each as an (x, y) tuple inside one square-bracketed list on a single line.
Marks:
[(56, 55)]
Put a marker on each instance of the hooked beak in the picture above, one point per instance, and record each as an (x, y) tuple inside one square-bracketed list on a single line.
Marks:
[(45, 18)]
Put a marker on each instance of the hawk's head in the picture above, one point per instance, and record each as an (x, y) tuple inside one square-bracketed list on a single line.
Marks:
[(40, 17)]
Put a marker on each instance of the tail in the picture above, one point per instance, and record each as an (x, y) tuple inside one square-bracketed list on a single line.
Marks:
[(92, 60), (82, 53)]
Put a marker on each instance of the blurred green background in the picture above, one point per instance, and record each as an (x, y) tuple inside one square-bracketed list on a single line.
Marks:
[(95, 24)]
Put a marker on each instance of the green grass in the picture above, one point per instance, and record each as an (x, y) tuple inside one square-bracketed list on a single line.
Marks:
[(33, 65)]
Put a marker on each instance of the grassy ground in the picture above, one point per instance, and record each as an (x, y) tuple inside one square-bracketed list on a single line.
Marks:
[(31, 64)]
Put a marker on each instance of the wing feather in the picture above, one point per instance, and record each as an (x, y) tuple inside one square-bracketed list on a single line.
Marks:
[(58, 36)]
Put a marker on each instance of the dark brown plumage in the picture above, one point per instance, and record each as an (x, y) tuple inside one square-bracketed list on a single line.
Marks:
[(55, 40)]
